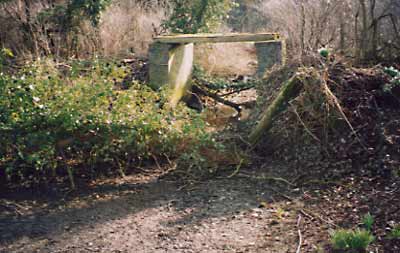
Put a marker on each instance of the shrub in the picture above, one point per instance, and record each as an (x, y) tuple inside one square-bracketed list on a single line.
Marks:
[(351, 241), (76, 119)]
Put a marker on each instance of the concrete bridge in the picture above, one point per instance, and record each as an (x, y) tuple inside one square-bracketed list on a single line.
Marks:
[(171, 57)]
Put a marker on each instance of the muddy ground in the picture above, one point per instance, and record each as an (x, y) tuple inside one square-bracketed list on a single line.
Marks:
[(149, 212)]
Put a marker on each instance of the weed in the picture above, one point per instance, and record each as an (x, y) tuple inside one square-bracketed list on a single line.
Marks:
[(280, 212), (395, 79), (393, 72), (350, 240), (395, 233), (5, 53), (368, 221)]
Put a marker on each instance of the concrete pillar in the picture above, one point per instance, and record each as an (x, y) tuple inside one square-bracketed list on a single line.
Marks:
[(180, 71), (158, 65), (269, 53)]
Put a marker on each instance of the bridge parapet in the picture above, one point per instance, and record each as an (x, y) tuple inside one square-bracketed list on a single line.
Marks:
[(171, 57)]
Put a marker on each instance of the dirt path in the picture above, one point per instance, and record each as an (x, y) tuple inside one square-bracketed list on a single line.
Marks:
[(151, 215), (144, 213)]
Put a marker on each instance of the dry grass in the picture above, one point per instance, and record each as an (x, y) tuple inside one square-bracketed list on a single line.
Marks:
[(127, 28), (227, 59)]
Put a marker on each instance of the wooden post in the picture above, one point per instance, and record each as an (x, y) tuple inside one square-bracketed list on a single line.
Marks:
[(269, 53)]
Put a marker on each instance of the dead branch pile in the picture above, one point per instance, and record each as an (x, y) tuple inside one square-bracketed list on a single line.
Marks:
[(345, 119)]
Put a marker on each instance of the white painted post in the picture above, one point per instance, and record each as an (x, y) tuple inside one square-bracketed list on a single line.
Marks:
[(180, 71)]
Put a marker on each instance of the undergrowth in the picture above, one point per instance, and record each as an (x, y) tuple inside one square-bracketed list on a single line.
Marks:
[(71, 118)]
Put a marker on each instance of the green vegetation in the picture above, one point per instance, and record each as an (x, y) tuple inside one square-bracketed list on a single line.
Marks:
[(68, 16), (395, 233), (368, 221), (324, 52), (67, 118), (5, 54), (190, 16), (72, 118), (354, 240), (351, 241), (395, 79)]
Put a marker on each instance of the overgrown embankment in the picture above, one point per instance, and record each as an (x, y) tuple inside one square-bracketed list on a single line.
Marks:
[(334, 131), (343, 118)]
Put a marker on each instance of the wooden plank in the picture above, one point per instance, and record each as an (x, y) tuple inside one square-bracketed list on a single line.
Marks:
[(213, 38)]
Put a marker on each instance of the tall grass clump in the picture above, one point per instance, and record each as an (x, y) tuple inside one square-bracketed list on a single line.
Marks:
[(351, 241), (64, 119)]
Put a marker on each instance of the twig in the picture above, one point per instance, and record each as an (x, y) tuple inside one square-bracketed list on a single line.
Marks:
[(312, 215), (7, 205), (305, 126), (237, 91), (283, 195), (237, 169), (336, 102), (244, 141), (156, 161), (279, 179), (197, 89), (300, 236), (306, 214)]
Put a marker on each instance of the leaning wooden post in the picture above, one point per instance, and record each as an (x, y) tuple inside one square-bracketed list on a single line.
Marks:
[(289, 91)]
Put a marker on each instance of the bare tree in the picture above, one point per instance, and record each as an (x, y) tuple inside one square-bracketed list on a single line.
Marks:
[(364, 29)]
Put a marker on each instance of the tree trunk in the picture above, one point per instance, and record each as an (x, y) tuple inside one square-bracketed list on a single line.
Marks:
[(342, 28), (364, 31), (357, 37), (375, 26), (395, 28), (303, 28), (31, 35)]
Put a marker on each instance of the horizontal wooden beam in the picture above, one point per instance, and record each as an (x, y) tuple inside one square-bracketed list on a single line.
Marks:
[(213, 38)]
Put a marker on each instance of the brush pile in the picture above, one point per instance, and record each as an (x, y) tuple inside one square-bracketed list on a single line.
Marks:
[(347, 119)]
